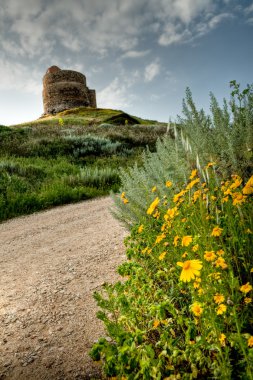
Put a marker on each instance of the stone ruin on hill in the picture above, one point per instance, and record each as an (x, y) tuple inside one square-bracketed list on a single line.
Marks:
[(65, 89)]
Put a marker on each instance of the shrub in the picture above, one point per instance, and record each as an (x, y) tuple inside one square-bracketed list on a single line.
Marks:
[(184, 310)]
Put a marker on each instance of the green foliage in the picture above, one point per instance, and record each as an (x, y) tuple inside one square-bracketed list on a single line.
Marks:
[(225, 137), (164, 324)]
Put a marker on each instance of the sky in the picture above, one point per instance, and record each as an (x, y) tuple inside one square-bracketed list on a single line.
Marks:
[(139, 55)]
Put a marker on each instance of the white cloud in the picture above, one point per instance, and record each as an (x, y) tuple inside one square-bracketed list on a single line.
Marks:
[(151, 71), (115, 95), (19, 77), (249, 9), (135, 53)]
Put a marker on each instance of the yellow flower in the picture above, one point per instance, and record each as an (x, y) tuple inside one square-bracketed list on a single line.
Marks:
[(195, 248), (236, 183), (238, 199), (193, 173), (196, 195), (210, 164), (140, 229), (218, 298), (175, 241), (184, 255), (184, 220), (172, 212), (196, 285), (156, 214), (191, 269), (220, 262), (221, 309), (162, 255), (213, 198), (247, 300), (159, 238), (186, 240), (250, 341), (248, 188), (251, 271), (125, 201), (222, 339), (209, 256), (217, 231), (168, 183), (154, 189), (122, 196), (196, 309), (153, 206), (192, 183), (156, 323), (200, 291), (225, 199), (177, 196), (246, 288), (220, 252)]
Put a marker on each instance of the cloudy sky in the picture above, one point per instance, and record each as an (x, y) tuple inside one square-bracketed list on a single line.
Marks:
[(139, 55)]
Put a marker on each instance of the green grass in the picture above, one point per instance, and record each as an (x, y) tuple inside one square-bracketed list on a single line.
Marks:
[(74, 155)]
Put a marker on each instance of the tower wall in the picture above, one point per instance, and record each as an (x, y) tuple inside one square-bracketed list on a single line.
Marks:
[(65, 89)]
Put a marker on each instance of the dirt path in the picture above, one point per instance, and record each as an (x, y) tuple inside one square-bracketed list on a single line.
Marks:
[(50, 265)]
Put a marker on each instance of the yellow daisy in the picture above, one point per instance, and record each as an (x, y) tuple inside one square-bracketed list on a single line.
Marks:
[(246, 288), (191, 269)]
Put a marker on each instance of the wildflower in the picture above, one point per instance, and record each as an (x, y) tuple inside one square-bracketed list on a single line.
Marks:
[(236, 183), (221, 309), (220, 262), (218, 298), (125, 201), (196, 195), (210, 164), (195, 248), (184, 220), (196, 285), (220, 252), (156, 214), (153, 206), (217, 231), (250, 341), (191, 269), (159, 238), (193, 173), (140, 229), (225, 199), (247, 300), (248, 231), (168, 183), (172, 212), (175, 241), (154, 189), (213, 198), (222, 339), (192, 183), (238, 199), (248, 188), (246, 288), (215, 275), (228, 192), (122, 196), (156, 323), (178, 196), (209, 256), (184, 255), (196, 309), (162, 255), (186, 240), (200, 291)]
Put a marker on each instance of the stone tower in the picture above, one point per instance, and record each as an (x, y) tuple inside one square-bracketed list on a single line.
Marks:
[(65, 89)]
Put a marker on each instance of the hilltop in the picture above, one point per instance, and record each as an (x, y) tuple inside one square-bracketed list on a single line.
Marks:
[(72, 155)]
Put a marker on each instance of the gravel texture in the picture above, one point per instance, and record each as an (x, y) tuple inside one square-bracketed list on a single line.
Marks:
[(50, 264)]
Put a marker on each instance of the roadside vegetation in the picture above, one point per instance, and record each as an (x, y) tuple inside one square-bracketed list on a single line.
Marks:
[(184, 308), (69, 157)]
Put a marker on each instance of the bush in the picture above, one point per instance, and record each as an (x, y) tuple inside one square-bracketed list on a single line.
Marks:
[(184, 310)]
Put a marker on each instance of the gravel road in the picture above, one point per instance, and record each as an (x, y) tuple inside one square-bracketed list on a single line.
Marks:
[(50, 264)]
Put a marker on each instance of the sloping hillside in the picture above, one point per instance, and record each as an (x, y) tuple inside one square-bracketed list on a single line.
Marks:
[(70, 156)]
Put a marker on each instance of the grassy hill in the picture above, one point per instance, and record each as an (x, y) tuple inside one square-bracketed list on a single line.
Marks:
[(73, 155)]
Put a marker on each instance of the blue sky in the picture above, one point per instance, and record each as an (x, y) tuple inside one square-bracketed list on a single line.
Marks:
[(139, 55)]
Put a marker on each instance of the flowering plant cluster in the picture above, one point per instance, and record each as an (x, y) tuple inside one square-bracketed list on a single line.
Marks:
[(184, 309)]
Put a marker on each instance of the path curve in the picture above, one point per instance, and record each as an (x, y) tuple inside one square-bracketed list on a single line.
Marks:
[(50, 264)]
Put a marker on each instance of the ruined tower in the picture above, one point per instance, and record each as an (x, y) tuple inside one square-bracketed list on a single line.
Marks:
[(65, 89)]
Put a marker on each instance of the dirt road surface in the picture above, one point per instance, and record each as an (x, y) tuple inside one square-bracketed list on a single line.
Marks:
[(50, 265)]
